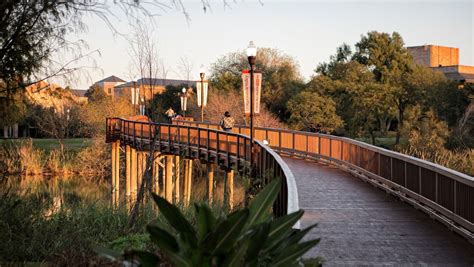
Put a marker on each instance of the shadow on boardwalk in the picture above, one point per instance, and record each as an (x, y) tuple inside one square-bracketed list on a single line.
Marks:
[(361, 225)]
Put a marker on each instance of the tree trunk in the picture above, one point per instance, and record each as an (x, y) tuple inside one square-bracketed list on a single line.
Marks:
[(400, 125), (146, 184), (15, 130), (5, 132), (372, 136), (61, 147)]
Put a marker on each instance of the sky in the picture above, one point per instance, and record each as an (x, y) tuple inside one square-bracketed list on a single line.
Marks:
[(309, 31)]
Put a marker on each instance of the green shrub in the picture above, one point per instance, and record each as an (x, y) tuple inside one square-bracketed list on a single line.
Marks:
[(246, 237), (34, 229)]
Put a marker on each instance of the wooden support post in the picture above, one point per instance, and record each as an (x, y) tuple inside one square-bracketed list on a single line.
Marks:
[(185, 180), (144, 161), (133, 174), (176, 179), (127, 175), (168, 178), (163, 178), (112, 179), (156, 173), (188, 174), (140, 159), (230, 185), (115, 173), (210, 182)]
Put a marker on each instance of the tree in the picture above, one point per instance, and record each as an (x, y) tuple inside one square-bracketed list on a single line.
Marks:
[(353, 88), (33, 33), (13, 110), (311, 111), (425, 132), (169, 98), (385, 55), (335, 69), (96, 94), (144, 56), (378, 82), (281, 78), (372, 106), (93, 114), (185, 66), (52, 123)]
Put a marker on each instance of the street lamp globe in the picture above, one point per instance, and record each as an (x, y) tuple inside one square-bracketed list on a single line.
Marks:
[(201, 72), (183, 90), (251, 50)]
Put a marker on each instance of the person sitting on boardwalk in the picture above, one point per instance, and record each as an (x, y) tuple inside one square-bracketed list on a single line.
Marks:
[(170, 113), (227, 122)]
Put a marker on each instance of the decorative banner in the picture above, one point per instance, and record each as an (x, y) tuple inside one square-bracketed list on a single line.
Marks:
[(135, 95), (184, 103), (198, 87), (132, 90), (257, 86)]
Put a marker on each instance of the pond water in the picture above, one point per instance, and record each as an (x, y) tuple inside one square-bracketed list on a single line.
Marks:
[(61, 190)]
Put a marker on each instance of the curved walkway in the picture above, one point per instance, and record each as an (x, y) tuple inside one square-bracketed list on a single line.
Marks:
[(361, 225)]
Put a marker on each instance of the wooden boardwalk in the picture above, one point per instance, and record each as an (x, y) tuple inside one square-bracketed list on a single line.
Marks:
[(362, 225)]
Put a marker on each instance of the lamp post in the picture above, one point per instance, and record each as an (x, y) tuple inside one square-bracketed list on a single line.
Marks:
[(184, 101), (251, 55), (142, 107), (136, 96), (201, 75)]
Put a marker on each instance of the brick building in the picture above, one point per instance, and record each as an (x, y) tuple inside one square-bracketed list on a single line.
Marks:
[(444, 59), (108, 84), (146, 88)]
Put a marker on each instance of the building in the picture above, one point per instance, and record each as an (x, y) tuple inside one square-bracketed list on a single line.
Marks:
[(146, 88), (48, 96), (443, 59), (108, 84), (80, 93)]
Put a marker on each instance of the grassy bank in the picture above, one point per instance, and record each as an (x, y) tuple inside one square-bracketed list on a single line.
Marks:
[(71, 144), (40, 156)]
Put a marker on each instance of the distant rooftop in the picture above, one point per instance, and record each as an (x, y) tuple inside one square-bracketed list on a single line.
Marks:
[(79, 92), (156, 82), (111, 79)]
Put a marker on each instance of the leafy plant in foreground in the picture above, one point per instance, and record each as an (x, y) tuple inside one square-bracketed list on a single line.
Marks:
[(246, 237)]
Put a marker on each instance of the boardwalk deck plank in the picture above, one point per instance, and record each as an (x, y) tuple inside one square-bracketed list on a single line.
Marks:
[(361, 225)]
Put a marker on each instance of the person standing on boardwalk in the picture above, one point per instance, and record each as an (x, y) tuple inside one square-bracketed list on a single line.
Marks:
[(227, 122), (170, 113)]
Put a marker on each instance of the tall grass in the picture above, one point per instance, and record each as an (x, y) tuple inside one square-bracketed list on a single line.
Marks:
[(460, 160), (21, 157)]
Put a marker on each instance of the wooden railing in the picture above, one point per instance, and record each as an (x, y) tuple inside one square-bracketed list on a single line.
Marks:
[(445, 194), (229, 150)]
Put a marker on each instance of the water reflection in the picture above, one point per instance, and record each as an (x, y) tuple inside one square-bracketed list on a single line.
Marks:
[(59, 192)]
